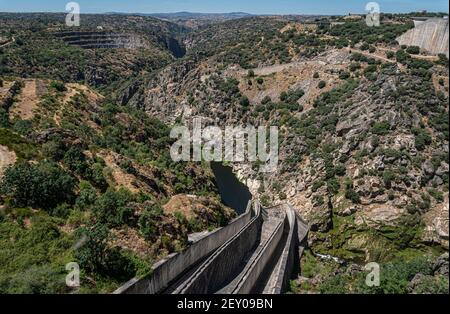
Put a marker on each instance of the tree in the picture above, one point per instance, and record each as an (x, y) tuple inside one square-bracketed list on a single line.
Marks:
[(148, 221), (266, 100), (43, 185), (111, 207), (322, 84), (58, 86), (244, 102), (413, 50), (95, 256)]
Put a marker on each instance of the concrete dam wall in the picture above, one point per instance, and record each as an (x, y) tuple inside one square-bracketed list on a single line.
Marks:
[(167, 271), (431, 35), (93, 40), (256, 253), (110, 40)]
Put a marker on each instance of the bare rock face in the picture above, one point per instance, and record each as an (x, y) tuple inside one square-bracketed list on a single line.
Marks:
[(441, 265), (317, 213), (370, 187), (377, 215), (436, 224), (344, 207)]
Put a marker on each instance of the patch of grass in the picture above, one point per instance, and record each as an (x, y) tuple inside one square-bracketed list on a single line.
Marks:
[(24, 149)]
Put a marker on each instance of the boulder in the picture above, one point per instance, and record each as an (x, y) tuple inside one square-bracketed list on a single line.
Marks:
[(377, 215), (437, 224), (440, 266)]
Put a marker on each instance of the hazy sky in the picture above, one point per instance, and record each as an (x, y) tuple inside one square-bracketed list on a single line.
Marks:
[(249, 6)]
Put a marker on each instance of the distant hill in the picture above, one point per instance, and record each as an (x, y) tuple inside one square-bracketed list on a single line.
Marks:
[(193, 15), (190, 15)]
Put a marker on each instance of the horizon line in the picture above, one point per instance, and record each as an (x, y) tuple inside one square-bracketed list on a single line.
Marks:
[(232, 12)]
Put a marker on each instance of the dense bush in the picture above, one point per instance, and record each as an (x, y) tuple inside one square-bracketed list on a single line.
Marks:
[(42, 185), (58, 86), (30, 261), (413, 50), (111, 207), (148, 221), (96, 257)]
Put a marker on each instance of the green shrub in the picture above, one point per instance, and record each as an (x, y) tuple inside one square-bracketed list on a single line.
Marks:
[(111, 207), (244, 102), (397, 275), (87, 195), (4, 118), (322, 84), (422, 139), (43, 185), (381, 128), (266, 100), (352, 195), (413, 50), (148, 221), (344, 75), (388, 177), (96, 257), (38, 279), (58, 86)]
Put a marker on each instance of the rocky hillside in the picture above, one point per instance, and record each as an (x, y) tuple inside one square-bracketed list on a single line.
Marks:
[(364, 126)]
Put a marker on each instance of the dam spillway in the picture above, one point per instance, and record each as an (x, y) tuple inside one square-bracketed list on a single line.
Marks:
[(255, 253), (431, 35), (101, 39)]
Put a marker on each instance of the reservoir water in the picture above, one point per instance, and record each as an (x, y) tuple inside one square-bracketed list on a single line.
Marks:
[(234, 193)]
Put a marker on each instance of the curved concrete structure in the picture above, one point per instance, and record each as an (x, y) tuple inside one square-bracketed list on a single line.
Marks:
[(431, 35), (256, 253), (169, 269), (93, 40), (224, 263)]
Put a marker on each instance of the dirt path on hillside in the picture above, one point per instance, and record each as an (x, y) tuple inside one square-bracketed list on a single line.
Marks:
[(27, 102), (7, 158), (8, 43), (370, 55)]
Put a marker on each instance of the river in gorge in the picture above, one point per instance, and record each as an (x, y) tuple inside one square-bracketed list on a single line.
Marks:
[(234, 193)]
